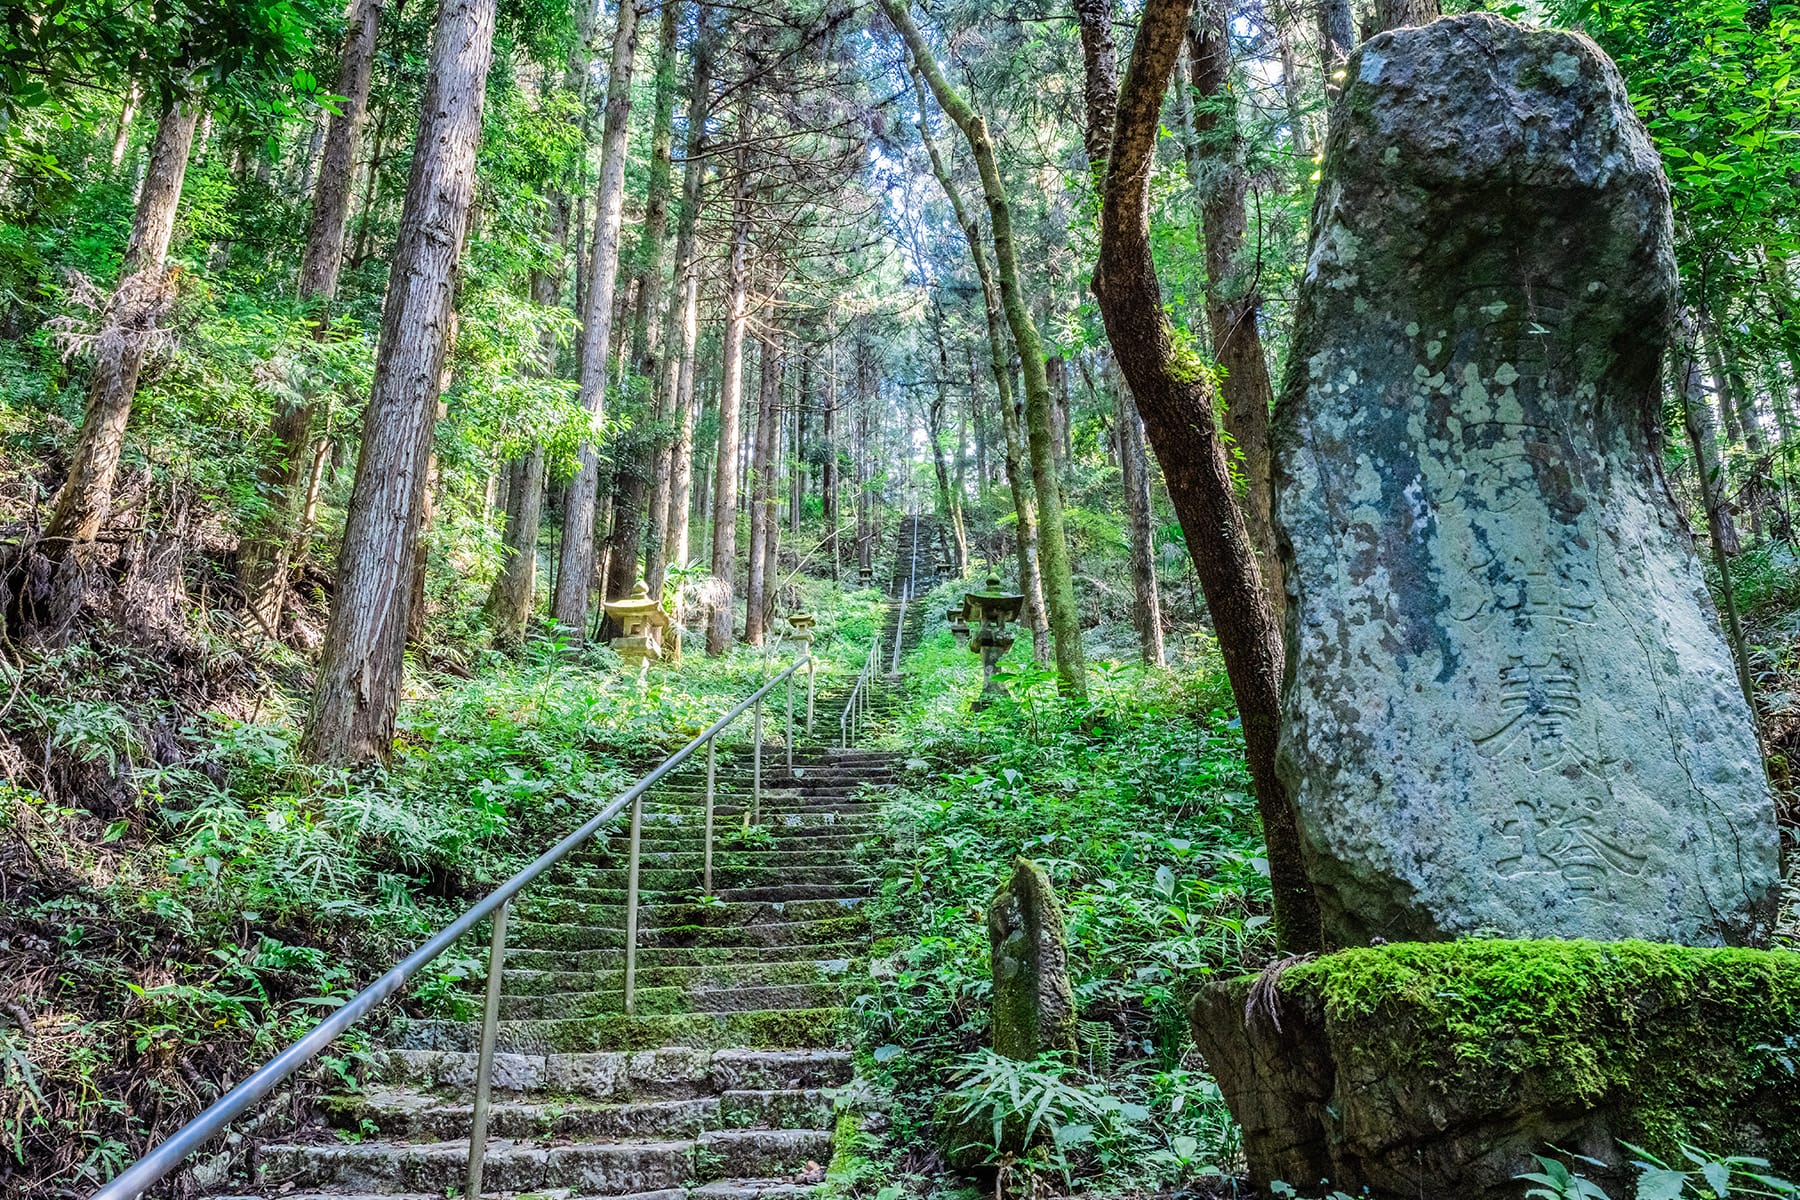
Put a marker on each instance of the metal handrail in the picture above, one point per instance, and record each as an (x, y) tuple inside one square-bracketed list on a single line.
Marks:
[(211, 1121), (858, 702)]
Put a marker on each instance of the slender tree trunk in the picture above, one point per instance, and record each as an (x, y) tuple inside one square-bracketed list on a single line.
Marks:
[(1337, 38), (1233, 301), (268, 544), (1393, 14), (1703, 439), (1053, 545), (828, 472), (575, 574), (1134, 464), (131, 318), (731, 390), (509, 602), (865, 551), (1703, 435), (1025, 540), (122, 135), (762, 485), (1177, 406), (949, 499), (359, 678)]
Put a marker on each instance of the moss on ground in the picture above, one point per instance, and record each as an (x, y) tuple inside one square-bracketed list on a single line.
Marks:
[(1682, 1044)]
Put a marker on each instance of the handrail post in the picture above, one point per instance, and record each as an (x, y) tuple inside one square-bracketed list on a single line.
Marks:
[(790, 726), (484, 1069), (631, 905), (756, 774), (812, 680), (712, 775)]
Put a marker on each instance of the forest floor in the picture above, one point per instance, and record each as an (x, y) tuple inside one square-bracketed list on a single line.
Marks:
[(180, 896)]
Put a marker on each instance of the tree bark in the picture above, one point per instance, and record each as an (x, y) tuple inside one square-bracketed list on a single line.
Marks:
[(359, 678), (731, 390), (1703, 439), (130, 320), (1393, 14), (575, 573), (762, 484), (950, 514), (1337, 38), (1025, 541), (268, 544), (1134, 466), (1233, 299), (1173, 393), (1053, 545)]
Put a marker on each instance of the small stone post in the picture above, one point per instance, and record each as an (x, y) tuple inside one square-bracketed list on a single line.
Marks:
[(1034, 1007)]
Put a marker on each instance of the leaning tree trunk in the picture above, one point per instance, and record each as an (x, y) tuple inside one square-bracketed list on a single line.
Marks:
[(575, 571), (132, 315), (731, 394), (268, 544), (1233, 302), (1053, 545), (358, 691), (1031, 582), (1176, 401)]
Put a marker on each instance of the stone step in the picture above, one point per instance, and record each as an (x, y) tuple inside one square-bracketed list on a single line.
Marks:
[(667, 879), (752, 1189), (574, 905), (418, 1116), (785, 1029), (723, 975), (667, 1073), (677, 956), (728, 1153), (691, 854), (413, 1115), (661, 1001), (535, 935), (601, 1169)]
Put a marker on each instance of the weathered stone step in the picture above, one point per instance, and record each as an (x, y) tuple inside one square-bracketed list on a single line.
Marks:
[(752, 1189), (657, 1001), (729, 1153), (602, 1169), (677, 956), (412, 1115), (691, 854), (786, 1029), (668, 1072), (419, 1116), (542, 983), (557, 936), (573, 905), (659, 879)]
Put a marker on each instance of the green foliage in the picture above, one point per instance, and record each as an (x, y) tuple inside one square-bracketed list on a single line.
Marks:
[(1138, 807)]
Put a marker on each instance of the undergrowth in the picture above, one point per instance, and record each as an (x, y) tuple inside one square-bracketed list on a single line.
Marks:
[(181, 895), (1137, 803)]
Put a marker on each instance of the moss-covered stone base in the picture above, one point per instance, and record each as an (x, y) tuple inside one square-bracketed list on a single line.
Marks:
[(1439, 1069)]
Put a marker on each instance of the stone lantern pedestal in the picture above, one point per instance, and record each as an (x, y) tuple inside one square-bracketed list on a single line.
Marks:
[(959, 626), (642, 624), (993, 611), (800, 633)]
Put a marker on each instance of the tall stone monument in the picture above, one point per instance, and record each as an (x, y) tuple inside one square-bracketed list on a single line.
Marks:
[(1511, 708)]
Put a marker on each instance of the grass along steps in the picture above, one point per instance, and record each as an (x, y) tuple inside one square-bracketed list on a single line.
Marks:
[(723, 1083)]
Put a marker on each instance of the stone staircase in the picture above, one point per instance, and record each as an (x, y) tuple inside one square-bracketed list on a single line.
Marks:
[(725, 1083)]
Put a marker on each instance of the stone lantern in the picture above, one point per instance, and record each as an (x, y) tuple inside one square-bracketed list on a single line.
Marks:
[(641, 624), (865, 576), (959, 625), (993, 611), (800, 633)]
